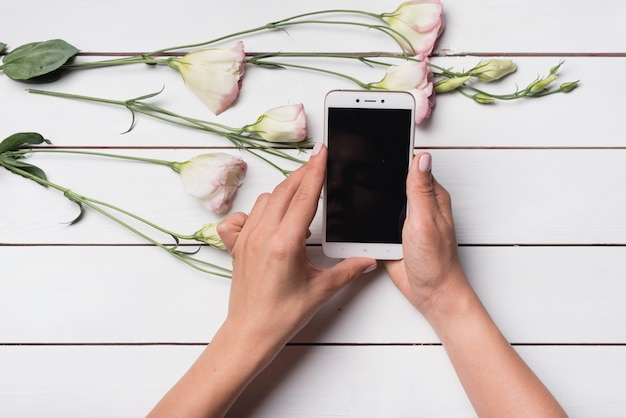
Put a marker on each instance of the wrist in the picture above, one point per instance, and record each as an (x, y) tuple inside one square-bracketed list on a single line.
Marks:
[(253, 348), (456, 299)]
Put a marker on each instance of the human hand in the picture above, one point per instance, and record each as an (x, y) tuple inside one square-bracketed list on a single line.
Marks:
[(275, 288), (431, 265)]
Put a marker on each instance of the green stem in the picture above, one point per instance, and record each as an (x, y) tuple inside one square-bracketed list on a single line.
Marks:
[(259, 61), (134, 59), (100, 154), (271, 26)]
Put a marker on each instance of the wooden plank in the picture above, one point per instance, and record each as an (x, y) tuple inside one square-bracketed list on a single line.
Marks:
[(547, 295), (499, 197), (304, 381), (476, 26)]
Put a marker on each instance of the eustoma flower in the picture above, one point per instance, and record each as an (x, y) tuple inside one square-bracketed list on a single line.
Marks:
[(281, 124), (12, 154), (414, 77), (420, 22), (213, 178), (213, 74)]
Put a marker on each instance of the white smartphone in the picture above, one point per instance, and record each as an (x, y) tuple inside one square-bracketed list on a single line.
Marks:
[(369, 135)]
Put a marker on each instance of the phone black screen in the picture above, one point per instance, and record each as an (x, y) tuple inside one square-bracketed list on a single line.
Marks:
[(368, 160)]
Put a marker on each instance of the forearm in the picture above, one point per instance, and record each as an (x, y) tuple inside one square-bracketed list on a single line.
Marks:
[(495, 378), (223, 370)]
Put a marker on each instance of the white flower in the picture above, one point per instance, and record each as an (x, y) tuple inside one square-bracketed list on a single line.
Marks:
[(419, 21), (213, 74), (281, 124), (213, 178)]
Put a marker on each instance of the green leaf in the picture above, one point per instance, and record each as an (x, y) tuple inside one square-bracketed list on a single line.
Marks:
[(21, 165), (2, 46), (17, 140), (36, 59)]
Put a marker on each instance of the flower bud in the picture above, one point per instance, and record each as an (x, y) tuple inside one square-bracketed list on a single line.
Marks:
[(449, 84), (569, 86), (213, 178), (539, 85), (281, 124), (555, 69), (208, 234), (493, 69), (213, 74), (483, 98)]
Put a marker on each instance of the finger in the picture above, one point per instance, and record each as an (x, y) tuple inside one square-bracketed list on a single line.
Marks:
[(420, 185), (281, 196), (444, 202), (305, 200), (256, 213), (229, 228), (347, 270)]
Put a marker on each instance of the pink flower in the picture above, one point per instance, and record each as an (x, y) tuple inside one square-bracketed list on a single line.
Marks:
[(281, 124), (213, 178), (213, 74), (416, 77), (419, 21)]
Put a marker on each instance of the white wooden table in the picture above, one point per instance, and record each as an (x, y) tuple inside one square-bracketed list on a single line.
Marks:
[(94, 322)]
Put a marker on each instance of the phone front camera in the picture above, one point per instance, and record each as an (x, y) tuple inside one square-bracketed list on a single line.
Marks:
[(358, 100), (382, 101)]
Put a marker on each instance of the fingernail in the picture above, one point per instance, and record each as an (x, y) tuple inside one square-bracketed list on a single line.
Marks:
[(316, 149), (425, 163), (369, 269)]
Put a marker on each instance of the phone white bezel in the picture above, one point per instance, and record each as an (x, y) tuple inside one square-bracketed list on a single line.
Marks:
[(365, 99)]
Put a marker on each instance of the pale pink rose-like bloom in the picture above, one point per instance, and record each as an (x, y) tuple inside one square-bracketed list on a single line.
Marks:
[(416, 78), (213, 179), (281, 124), (420, 21), (213, 74)]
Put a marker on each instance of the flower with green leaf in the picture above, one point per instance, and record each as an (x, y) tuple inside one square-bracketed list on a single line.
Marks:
[(414, 26), (12, 153)]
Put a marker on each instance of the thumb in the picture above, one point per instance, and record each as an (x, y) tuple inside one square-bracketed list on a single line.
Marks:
[(230, 227), (349, 269), (420, 188)]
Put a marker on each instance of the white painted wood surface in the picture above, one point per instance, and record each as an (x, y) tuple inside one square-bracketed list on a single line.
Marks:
[(93, 322)]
